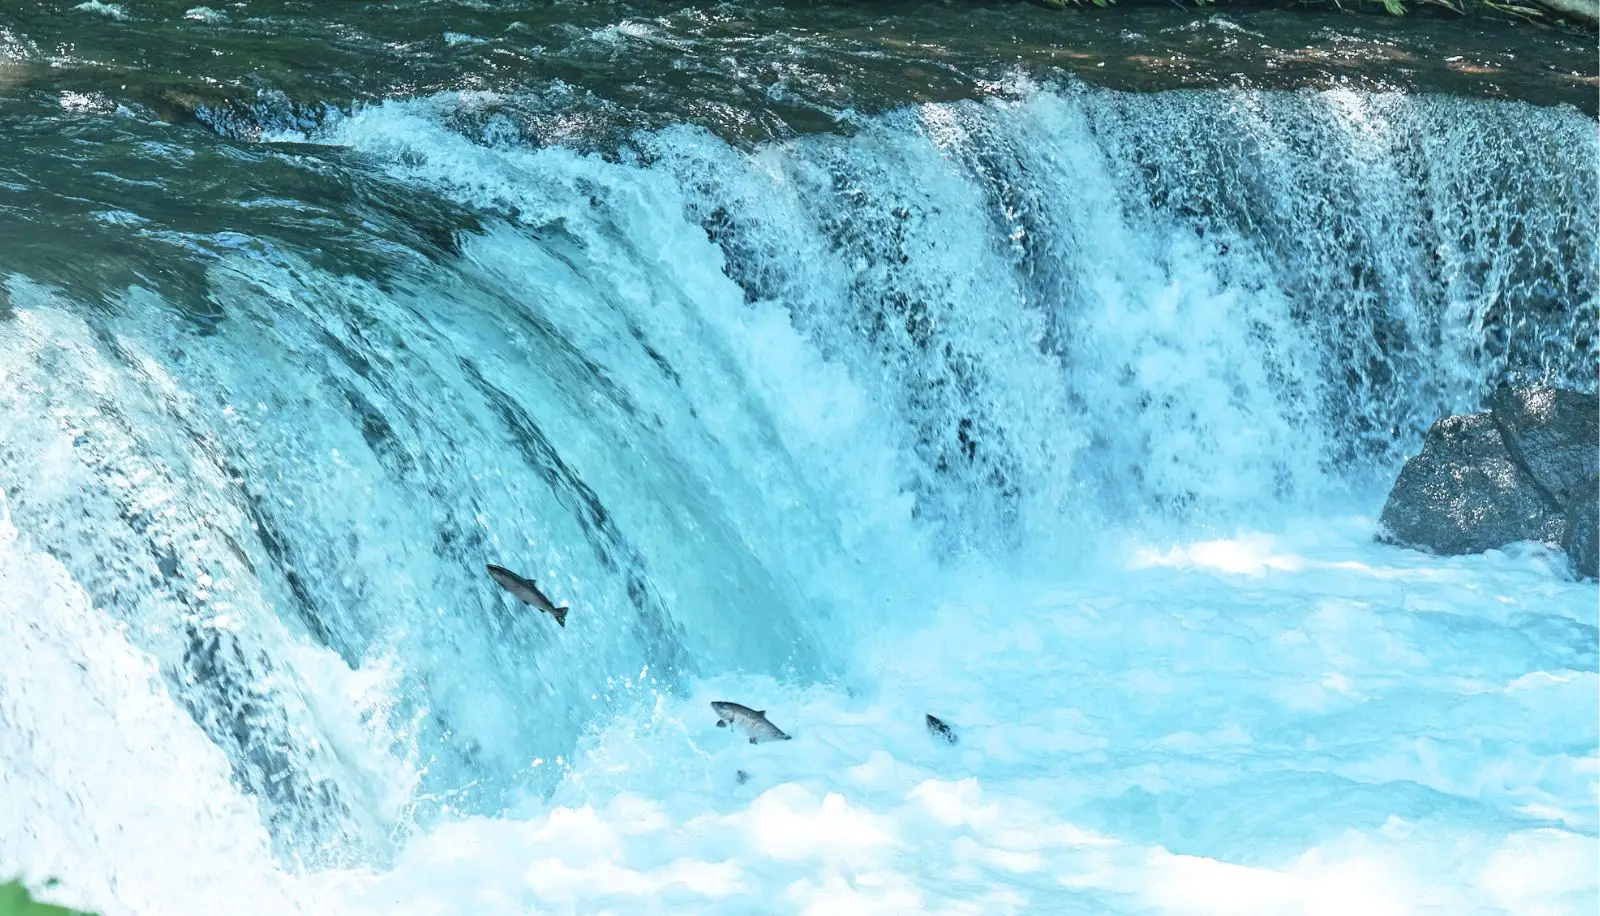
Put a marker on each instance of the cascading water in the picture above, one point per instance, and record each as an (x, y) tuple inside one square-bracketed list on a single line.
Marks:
[(857, 425)]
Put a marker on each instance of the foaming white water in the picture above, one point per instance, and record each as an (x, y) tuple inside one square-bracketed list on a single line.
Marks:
[(107, 783), (135, 510), (1303, 723), (1306, 723), (1108, 308)]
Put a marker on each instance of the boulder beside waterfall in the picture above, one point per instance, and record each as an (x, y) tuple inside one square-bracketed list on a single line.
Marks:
[(1464, 493), (1527, 469)]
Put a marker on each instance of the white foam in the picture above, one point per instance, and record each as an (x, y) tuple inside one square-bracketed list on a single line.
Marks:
[(205, 14), (108, 10), (108, 785), (1078, 784)]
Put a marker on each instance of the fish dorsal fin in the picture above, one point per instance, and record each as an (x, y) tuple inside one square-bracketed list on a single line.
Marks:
[(761, 712)]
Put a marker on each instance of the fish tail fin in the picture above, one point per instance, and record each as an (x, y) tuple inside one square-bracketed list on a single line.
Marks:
[(560, 614)]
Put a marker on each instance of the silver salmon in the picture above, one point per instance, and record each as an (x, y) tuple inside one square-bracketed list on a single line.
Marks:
[(527, 592), (752, 722)]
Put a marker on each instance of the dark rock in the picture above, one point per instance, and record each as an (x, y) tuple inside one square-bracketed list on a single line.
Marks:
[(1554, 434), (1464, 493), (1526, 470), (1582, 541)]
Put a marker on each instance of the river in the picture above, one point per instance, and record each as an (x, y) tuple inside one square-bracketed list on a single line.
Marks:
[(1041, 371)]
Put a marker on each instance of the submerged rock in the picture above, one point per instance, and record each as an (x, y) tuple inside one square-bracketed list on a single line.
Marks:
[(1528, 469)]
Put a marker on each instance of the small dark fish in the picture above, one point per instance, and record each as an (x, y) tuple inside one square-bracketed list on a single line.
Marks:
[(752, 722), (741, 777), (939, 729), (526, 592)]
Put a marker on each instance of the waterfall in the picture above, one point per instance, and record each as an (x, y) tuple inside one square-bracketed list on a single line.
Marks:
[(737, 406)]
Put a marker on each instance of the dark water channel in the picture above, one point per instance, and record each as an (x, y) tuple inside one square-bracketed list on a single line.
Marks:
[(586, 71)]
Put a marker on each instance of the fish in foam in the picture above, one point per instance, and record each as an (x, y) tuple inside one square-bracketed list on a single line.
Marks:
[(752, 722)]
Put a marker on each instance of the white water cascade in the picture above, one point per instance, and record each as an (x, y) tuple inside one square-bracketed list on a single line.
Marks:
[(1064, 417)]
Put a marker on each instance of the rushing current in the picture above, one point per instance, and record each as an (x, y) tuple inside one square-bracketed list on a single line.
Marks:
[(1061, 413)]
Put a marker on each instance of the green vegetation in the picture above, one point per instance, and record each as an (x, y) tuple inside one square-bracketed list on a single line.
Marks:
[(16, 901), (1580, 12)]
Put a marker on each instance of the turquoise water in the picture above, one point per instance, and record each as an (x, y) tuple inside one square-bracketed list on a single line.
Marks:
[(1063, 414)]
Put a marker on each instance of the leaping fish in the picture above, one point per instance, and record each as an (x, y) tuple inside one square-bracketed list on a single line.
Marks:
[(752, 722), (940, 729), (527, 592)]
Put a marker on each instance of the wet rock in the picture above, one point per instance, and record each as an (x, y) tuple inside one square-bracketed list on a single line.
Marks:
[(1464, 493), (1586, 11), (1582, 540), (1554, 434), (1528, 469)]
